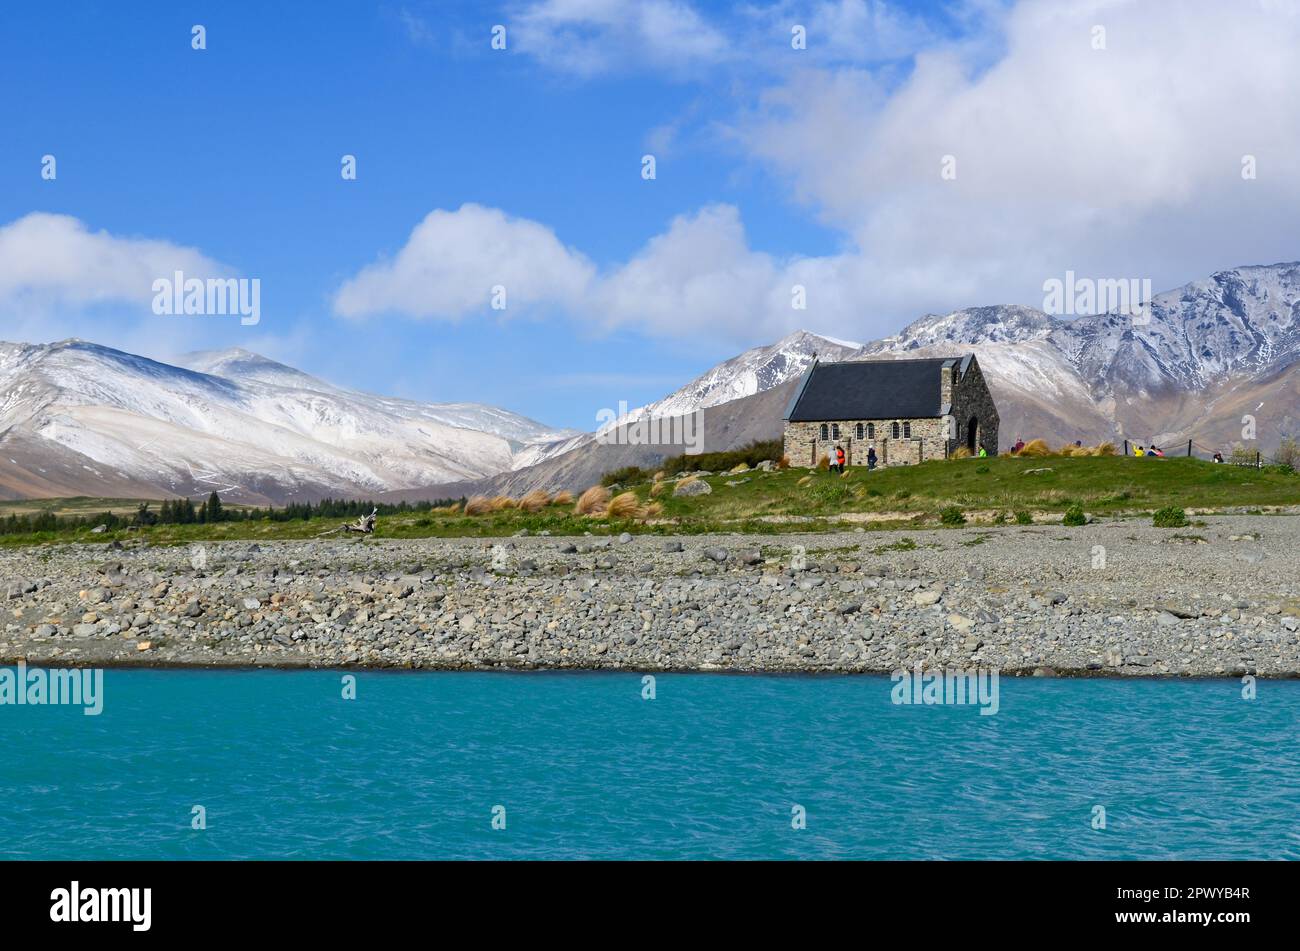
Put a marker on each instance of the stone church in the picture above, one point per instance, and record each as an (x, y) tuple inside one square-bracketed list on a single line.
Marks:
[(909, 410)]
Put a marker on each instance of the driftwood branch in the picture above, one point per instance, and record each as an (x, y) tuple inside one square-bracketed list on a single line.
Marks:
[(364, 525)]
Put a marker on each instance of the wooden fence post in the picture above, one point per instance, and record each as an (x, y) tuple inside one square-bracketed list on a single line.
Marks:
[(1189, 449)]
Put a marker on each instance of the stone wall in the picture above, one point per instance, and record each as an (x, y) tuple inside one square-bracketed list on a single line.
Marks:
[(929, 440), (972, 399)]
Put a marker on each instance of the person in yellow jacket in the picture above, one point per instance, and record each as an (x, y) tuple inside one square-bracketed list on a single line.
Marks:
[(984, 453), (1139, 451)]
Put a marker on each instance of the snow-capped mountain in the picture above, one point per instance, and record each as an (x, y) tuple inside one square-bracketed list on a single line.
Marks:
[(753, 371), (79, 418)]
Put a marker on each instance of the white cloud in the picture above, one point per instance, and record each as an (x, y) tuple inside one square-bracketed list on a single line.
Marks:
[(452, 261), (54, 261), (1121, 162), (589, 37)]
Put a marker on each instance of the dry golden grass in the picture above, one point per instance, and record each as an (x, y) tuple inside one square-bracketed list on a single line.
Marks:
[(478, 505), (824, 463), (1035, 447), (535, 500), (657, 488), (961, 452), (449, 509), (563, 497), (688, 480), (623, 505), (653, 510), (499, 503), (659, 476), (593, 501), (805, 480), (1104, 449), (783, 462), (1070, 449)]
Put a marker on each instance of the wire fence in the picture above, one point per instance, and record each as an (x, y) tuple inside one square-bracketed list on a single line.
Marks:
[(1236, 456)]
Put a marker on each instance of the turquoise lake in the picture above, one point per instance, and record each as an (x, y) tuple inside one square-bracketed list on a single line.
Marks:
[(584, 767)]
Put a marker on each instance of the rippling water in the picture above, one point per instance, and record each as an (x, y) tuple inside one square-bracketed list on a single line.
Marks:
[(585, 768)]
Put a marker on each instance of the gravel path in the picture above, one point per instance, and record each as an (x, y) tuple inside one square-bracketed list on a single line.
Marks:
[(1113, 597)]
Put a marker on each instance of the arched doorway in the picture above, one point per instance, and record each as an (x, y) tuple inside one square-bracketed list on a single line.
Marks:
[(972, 434)]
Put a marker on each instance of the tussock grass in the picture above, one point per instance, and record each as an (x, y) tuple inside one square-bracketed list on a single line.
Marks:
[(593, 501), (502, 502), (478, 505), (534, 500), (563, 497), (622, 506), (1035, 447)]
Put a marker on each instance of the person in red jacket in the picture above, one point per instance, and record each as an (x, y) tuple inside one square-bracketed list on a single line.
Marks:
[(839, 457)]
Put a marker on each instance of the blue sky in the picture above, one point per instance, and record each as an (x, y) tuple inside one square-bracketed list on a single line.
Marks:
[(775, 166)]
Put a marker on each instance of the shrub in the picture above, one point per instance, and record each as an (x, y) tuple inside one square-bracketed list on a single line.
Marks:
[(534, 500), (625, 475), (783, 462), (563, 497), (952, 515), (982, 470), (902, 494), (1288, 453), (1074, 516), (1000, 518), (593, 501), (478, 505), (502, 502), (1169, 517), (1035, 447), (1024, 518), (623, 505)]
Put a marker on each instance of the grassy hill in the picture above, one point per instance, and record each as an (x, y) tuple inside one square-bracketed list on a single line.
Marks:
[(986, 491)]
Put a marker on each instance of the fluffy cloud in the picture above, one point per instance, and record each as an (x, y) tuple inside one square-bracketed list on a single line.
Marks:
[(452, 261), (49, 261), (587, 37), (1122, 161)]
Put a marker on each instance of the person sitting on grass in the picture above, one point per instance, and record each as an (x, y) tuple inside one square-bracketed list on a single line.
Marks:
[(1139, 452), (1155, 451), (1218, 457), (1020, 444), (984, 453)]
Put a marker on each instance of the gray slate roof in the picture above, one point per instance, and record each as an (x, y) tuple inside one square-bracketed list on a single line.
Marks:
[(870, 389)]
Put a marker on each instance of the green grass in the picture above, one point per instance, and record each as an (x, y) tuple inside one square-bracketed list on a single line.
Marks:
[(774, 503)]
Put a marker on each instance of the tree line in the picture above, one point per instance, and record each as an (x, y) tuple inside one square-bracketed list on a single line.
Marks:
[(209, 511)]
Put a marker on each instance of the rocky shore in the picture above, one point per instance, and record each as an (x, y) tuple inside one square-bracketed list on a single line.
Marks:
[(1117, 597)]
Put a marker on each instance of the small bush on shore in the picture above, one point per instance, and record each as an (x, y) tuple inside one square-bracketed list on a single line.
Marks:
[(952, 516), (1024, 518), (1074, 515), (1169, 517)]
